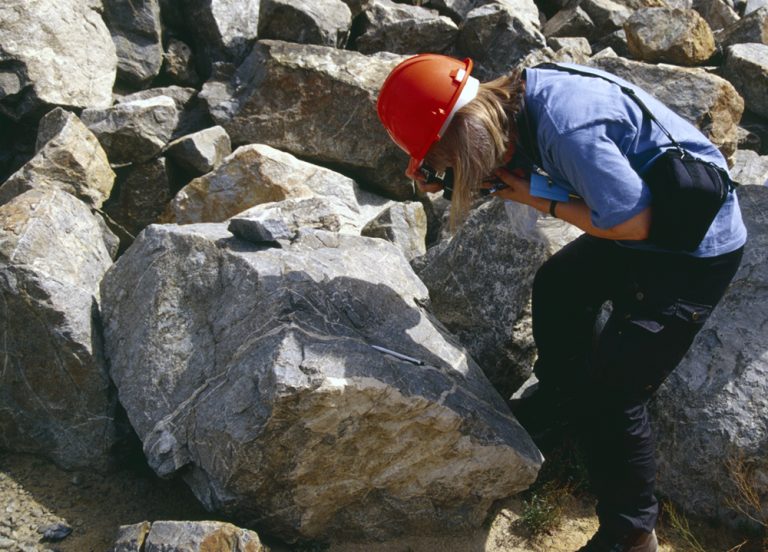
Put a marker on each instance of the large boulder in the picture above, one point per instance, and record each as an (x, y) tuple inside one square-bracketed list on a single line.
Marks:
[(707, 101), (403, 29), (54, 53), (257, 174), (746, 67), (133, 131), (711, 416), (480, 282), (681, 37), (69, 157), (716, 13), (751, 28), (324, 22), (186, 536), (137, 34), (252, 371), (498, 36), (317, 103), (55, 396)]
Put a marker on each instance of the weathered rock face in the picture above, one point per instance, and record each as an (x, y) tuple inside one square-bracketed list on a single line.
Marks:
[(479, 284), (202, 151), (186, 536), (746, 67), (750, 168), (55, 395), (54, 54), (403, 29), (252, 369), (258, 174), (751, 28), (681, 37), (405, 225), (223, 29), (498, 37), (69, 157), (193, 114), (714, 407), (137, 34), (716, 13), (570, 22), (133, 131), (178, 64), (314, 102), (324, 22), (709, 102)]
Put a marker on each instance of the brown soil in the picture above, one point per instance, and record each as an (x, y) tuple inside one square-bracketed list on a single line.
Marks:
[(35, 493)]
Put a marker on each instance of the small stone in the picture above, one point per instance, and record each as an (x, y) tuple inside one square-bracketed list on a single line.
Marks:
[(55, 532), (6, 543)]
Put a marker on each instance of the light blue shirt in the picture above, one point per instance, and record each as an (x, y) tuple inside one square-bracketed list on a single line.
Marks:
[(595, 142)]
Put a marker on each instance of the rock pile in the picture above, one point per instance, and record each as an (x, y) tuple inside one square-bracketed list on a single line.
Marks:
[(288, 324)]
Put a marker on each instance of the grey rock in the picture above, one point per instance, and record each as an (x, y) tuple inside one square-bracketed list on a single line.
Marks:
[(457, 8), (607, 15), (403, 29), (314, 102), (716, 13), (403, 224), (324, 22), (746, 67), (579, 44), (616, 41), (55, 397), (251, 368), (69, 157), (713, 409), (223, 29), (681, 37), (498, 37), (707, 101), (750, 28), (131, 538), (750, 168), (54, 54), (754, 5), (55, 532), (193, 113), (143, 192), (480, 282), (133, 131), (569, 22), (356, 7), (186, 536), (748, 140), (179, 64), (283, 220), (137, 34), (202, 151)]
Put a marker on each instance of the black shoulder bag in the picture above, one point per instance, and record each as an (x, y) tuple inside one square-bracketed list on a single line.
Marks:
[(686, 192)]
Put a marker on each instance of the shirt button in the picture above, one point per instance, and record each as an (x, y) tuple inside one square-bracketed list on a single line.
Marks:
[(695, 316), (639, 296)]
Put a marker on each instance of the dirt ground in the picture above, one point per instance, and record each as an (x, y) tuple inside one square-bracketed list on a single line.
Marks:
[(35, 493)]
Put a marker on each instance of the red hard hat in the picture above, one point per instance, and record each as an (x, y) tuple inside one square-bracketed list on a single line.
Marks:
[(419, 98)]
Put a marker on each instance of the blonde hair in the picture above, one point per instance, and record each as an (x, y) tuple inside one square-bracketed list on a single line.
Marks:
[(478, 137)]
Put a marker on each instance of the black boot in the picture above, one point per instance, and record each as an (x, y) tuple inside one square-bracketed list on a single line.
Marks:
[(637, 541)]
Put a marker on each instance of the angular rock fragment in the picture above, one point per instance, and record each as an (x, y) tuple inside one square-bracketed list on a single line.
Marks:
[(681, 37), (202, 151), (746, 67), (403, 224), (324, 22), (137, 34)]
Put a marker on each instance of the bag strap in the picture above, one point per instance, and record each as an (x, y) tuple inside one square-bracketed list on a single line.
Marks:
[(627, 90)]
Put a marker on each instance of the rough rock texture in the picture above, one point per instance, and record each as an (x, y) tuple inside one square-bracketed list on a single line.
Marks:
[(314, 102), (69, 157), (746, 67), (457, 8), (251, 369), (223, 29), (607, 15), (202, 151), (405, 225), (569, 22), (283, 220), (258, 174), (133, 131), (54, 53), (403, 29), (577, 44), (707, 101), (716, 13), (497, 37), (750, 168), (137, 34), (714, 407), (751, 28), (143, 191), (480, 282), (324, 22), (186, 536), (681, 37), (193, 113), (179, 65), (55, 395)]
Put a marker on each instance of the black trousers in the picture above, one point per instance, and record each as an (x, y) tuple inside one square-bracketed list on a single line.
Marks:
[(660, 301)]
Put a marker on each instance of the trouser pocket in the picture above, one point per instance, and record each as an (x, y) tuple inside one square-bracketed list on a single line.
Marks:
[(638, 350)]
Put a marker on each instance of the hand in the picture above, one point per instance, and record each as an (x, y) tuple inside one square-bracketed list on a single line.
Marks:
[(518, 188), (418, 177)]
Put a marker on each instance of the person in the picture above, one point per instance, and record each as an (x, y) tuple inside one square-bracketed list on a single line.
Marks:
[(577, 147)]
